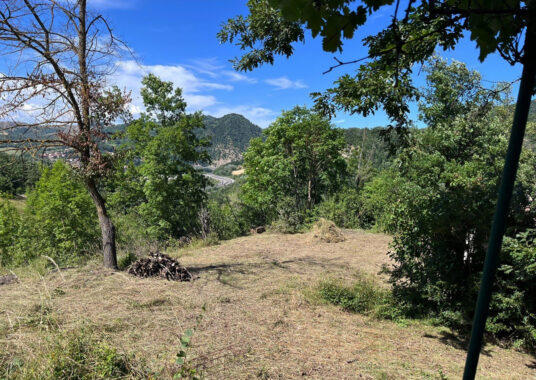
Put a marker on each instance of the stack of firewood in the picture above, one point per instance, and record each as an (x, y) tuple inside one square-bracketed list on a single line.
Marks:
[(160, 265)]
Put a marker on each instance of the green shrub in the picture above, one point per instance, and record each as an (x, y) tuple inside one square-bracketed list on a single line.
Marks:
[(513, 305), (77, 355), (83, 357), (225, 219), (10, 221), (124, 261), (59, 221), (364, 296), (438, 199), (346, 209), (291, 219)]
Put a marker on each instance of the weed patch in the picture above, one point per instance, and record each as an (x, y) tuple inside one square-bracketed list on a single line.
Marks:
[(364, 296), (74, 355)]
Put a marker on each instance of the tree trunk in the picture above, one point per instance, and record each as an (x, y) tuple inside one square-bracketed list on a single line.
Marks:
[(309, 196), (106, 225)]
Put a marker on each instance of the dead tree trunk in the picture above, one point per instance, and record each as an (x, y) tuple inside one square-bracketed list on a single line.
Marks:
[(106, 225), (67, 53)]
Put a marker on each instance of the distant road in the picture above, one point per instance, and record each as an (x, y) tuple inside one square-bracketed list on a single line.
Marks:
[(221, 181)]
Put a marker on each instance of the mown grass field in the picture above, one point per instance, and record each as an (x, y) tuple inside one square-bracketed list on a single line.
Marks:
[(262, 319)]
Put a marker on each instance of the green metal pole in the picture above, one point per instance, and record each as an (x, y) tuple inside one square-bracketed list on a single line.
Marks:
[(526, 89)]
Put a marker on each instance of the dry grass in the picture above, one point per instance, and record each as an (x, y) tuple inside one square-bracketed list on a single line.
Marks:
[(258, 324), (327, 231)]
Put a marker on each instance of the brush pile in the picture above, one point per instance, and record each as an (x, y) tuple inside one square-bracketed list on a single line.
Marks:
[(160, 265)]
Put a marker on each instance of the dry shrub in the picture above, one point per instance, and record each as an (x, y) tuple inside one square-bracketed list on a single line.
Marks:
[(327, 231)]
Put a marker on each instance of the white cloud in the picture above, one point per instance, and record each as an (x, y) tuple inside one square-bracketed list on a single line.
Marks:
[(339, 121), (213, 69), (197, 82), (129, 74), (237, 77), (283, 83), (257, 115), (207, 66)]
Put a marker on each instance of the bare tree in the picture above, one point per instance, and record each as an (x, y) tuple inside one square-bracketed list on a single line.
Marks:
[(58, 56)]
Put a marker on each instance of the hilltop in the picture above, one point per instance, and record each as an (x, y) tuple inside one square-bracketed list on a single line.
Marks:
[(230, 136), (262, 317)]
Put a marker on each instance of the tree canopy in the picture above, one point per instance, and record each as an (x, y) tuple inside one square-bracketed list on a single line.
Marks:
[(383, 79), (299, 162), (158, 182)]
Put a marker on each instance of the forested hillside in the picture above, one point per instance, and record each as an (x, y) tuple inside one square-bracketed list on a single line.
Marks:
[(230, 136)]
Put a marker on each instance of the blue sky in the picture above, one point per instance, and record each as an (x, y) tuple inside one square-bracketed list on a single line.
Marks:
[(176, 39)]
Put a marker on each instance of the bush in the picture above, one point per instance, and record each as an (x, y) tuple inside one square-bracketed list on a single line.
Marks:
[(290, 219), (513, 305), (10, 221), (438, 198), (346, 209), (131, 235), (59, 221), (363, 296), (225, 219), (76, 355), (124, 261)]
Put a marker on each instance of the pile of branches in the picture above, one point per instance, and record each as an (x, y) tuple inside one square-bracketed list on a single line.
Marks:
[(159, 265)]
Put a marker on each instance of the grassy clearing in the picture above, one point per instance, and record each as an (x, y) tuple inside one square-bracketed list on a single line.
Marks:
[(18, 202), (266, 316)]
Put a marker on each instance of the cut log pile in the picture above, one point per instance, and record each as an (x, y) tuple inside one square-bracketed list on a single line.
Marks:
[(160, 265)]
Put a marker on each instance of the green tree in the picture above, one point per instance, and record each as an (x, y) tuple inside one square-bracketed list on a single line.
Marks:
[(416, 30), (9, 226), (439, 197), (383, 79), (17, 173), (299, 162), (59, 221), (160, 184), (67, 76)]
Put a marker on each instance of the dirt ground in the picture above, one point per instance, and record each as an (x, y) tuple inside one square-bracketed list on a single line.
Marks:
[(259, 322)]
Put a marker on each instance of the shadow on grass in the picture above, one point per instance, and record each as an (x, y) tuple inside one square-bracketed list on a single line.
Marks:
[(456, 340), (532, 364), (225, 270)]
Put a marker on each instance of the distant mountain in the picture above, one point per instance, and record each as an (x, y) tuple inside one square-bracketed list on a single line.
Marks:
[(230, 136)]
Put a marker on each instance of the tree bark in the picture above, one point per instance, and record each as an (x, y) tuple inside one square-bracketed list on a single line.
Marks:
[(106, 225)]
